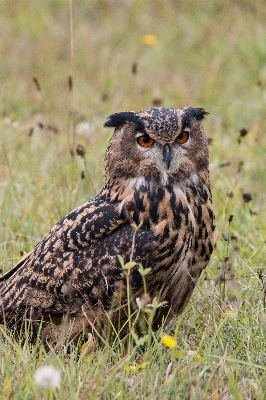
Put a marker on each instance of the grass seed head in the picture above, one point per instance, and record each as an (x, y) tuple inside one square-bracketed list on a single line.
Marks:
[(243, 132), (247, 197), (148, 248), (80, 150), (124, 246)]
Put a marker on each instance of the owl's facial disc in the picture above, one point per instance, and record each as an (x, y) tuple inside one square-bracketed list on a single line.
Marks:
[(157, 145), (165, 156)]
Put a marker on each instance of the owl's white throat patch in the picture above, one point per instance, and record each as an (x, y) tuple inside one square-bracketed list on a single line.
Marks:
[(137, 182)]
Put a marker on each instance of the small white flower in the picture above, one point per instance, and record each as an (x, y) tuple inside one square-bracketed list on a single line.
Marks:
[(83, 128), (143, 301), (47, 377), (138, 301), (7, 121), (11, 122)]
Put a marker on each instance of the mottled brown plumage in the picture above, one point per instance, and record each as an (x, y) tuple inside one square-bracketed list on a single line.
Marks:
[(153, 176)]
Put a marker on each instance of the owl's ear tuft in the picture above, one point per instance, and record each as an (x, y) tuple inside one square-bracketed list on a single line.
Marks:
[(197, 113), (118, 119)]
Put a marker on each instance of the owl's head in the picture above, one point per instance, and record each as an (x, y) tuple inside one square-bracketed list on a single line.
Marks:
[(162, 145)]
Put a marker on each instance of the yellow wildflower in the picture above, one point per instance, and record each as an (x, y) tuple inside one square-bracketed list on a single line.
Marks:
[(228, 312), (135, 368), (169, 341), (149, 39), (13, 117)]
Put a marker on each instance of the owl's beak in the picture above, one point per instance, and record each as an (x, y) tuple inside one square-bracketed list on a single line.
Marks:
[(167, 155)]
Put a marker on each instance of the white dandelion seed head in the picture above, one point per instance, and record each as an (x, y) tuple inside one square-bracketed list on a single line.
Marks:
[(47, 377)]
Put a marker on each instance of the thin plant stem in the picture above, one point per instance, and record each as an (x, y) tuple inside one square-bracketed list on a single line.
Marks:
[(71, 125)]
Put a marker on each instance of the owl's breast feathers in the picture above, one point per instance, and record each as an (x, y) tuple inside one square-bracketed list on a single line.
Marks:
[(76, 263)]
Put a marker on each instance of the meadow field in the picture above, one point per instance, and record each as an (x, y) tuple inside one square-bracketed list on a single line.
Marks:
[(65, 66)]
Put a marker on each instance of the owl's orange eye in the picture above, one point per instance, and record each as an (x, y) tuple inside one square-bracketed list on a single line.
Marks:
[(182, 137), (145, 141)]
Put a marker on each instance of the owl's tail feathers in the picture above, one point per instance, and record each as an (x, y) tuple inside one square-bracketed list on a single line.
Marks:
[(13, 270), (8, 290)]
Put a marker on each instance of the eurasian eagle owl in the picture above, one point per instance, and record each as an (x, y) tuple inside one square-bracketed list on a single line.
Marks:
[(157, 176)]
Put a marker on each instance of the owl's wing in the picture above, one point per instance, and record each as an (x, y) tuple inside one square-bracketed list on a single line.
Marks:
[(76, 263), (81, 227)]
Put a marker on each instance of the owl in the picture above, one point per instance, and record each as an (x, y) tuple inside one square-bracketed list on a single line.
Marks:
[(155, 208)]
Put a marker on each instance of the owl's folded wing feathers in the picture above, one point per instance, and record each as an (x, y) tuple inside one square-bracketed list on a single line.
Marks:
[(74, 264)]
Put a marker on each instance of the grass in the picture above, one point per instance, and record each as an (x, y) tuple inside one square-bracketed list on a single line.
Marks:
[(205, 54)]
